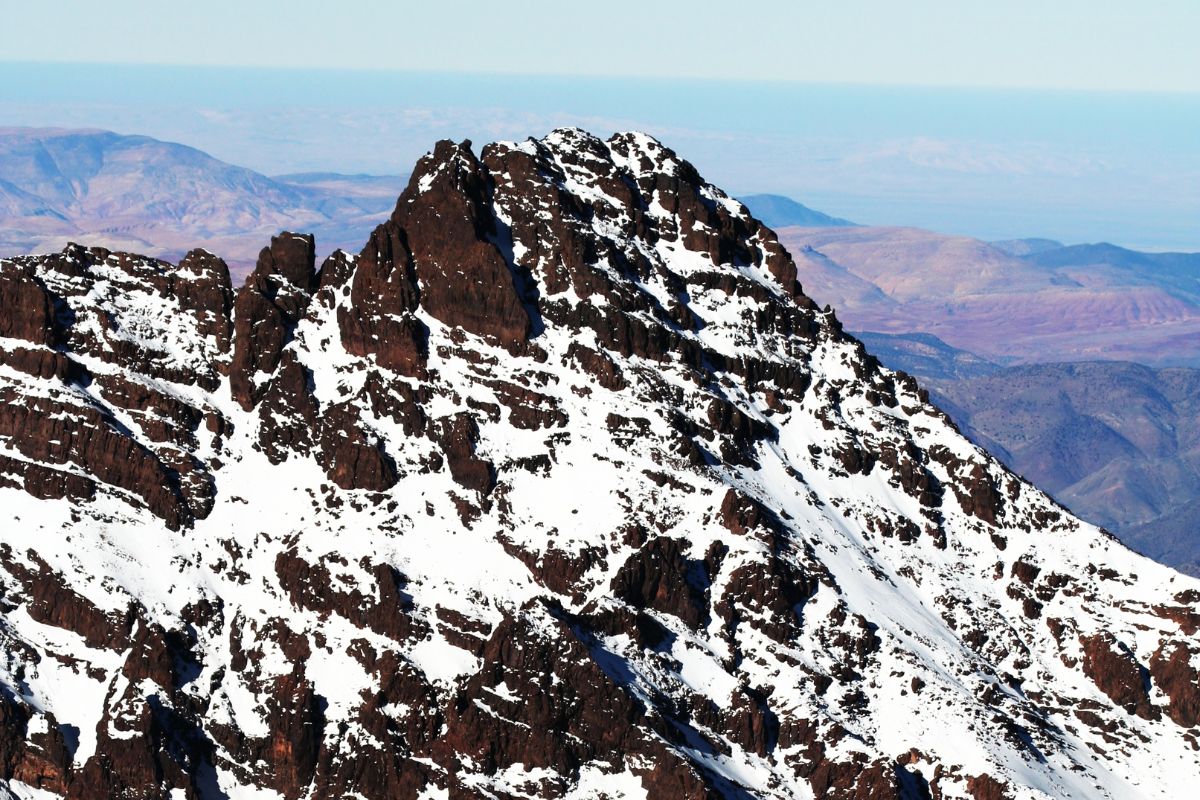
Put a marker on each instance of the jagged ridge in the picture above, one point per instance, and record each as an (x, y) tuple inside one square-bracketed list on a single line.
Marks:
[(560, 488)]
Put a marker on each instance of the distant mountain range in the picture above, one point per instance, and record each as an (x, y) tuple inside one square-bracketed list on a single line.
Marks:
[(926, 356), (1030, 301), (1026, 247), (778, 211), (162, 198)]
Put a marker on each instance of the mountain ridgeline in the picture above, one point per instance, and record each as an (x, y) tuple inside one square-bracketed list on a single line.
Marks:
[(560, 488), (777, 211)]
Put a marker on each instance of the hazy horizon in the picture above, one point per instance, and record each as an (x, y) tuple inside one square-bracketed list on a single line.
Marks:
[(1077, 166), (1067, 44)]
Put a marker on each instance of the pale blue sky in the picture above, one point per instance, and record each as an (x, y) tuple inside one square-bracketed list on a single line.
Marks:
[(1137, 45), (1096, 137)]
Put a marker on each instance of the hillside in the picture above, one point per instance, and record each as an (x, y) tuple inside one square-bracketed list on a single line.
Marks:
[(1064, 303), (926, 357), (1118, 443), (562, 488), (163, 199)]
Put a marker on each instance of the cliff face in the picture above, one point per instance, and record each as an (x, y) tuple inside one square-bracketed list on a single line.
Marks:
[(560, 488)]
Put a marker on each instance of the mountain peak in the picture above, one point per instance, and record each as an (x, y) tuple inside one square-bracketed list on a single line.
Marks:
[(561, 487)]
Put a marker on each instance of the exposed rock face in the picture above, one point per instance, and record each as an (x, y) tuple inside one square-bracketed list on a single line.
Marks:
[(202, 285), (1175, 671), (453, 238), (106, 332), (559, 488), (268, 309), (379, 320), (26, 308), (1118, 674)]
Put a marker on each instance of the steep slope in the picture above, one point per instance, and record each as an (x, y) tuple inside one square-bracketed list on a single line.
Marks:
[(1110, 439), (560, 488), (165, 198)]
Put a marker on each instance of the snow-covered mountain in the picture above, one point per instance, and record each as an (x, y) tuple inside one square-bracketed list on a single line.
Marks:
[(560, 488)]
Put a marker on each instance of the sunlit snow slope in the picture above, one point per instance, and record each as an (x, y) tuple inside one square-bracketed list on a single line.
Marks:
[(561, 488)]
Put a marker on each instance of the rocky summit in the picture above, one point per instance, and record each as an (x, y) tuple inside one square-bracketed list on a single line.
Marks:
[(560, 488)]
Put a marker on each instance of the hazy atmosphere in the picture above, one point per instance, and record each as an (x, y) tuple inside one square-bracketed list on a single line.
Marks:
[(1033, 130)]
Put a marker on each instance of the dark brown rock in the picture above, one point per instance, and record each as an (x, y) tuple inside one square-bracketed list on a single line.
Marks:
[(599, 365), (457, 436), (1117, 673), (40, 761), (660, 576), (60, 433), (907, 463), (556, 688), (297, 723), (972, 484), (266, 311), (144, 748), (352, 460), (750, 722), (1172, 670), (203, 287), (50, 601), (1025, 572), (47, 483), (528, 409), (382, 764), (288, 413), (767, 595), (26, 308), (379, 319), (451, 231), (741, 514), (42, 363), (985, 787), (386, 610), (742, 431)]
